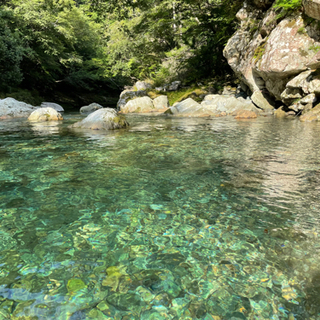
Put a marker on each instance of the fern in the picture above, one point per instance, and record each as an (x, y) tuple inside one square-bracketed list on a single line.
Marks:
[(287, 7)]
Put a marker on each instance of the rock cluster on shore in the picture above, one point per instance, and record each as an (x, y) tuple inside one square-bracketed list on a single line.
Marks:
[(277, 60)]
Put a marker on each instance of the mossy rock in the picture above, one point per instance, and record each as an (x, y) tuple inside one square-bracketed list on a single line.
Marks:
[(194, 93)]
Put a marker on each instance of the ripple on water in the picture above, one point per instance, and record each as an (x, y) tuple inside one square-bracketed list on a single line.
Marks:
[(170, 219)]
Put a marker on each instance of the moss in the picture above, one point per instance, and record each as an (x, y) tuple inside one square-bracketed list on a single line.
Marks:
[(287, 7), (177, 96), (291, 23), (314, 48), (302, 30), (259, 52), (153, 94)]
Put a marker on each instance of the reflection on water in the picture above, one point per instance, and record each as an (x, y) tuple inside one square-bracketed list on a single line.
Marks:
[(169, 219)]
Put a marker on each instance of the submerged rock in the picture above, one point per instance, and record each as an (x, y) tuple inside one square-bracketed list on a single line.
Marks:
[(45, 114), (245, 114), (52, 105), (12, 108), (90, 108), (102, 119)]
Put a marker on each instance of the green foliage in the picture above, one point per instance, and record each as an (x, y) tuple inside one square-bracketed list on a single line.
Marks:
[(28, 96), (182, 94), (302, 30), (314, 48), (11, 51), (287, 7), (88, 44)]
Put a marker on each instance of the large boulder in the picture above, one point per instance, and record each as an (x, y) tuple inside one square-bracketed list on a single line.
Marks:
[(226, 104), (266, 58), (52, 105), (312, 115), (141, 85), (312, 8), (11, 108), (286, 54), (161, 103), (189, 108), (45, 114), (127, 95), (138, 105), (102, 119), (261, 101), (174, 86), (90, 108)]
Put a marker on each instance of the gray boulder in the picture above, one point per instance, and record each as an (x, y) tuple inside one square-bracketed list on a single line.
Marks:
[(189, 108), (90, 108), (102, 119), (259, 100), (226, 104), (11, 108), (312, 115), (127, 95), (174, 86), (138, 105), (161, 103), (52, 105), (142, 85), (45, 114), (312, 8)]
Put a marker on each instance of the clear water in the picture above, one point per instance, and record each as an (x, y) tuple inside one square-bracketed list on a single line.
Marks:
[(171, 219)]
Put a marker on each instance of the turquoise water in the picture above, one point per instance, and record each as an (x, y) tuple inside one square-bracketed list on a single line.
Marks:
[(170, 219)]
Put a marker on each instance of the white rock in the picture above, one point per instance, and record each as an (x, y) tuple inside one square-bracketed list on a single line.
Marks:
[(11, 108), (52, 105), (45, 114)]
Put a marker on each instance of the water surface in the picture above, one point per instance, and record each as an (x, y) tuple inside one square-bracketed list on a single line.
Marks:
[(169, 219)]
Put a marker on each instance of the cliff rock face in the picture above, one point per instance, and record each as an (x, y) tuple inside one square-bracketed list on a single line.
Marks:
[(276, 58)]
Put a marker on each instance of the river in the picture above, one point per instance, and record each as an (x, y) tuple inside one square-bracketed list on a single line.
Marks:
[(173, 218)]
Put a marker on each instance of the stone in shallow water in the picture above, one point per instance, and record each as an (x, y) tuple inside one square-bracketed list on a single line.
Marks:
[(45, 114), (102, 119), (75, 285), (113, 278), (90, 108)]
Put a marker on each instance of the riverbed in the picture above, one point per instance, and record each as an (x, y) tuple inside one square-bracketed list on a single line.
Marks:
[(173, 218)]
